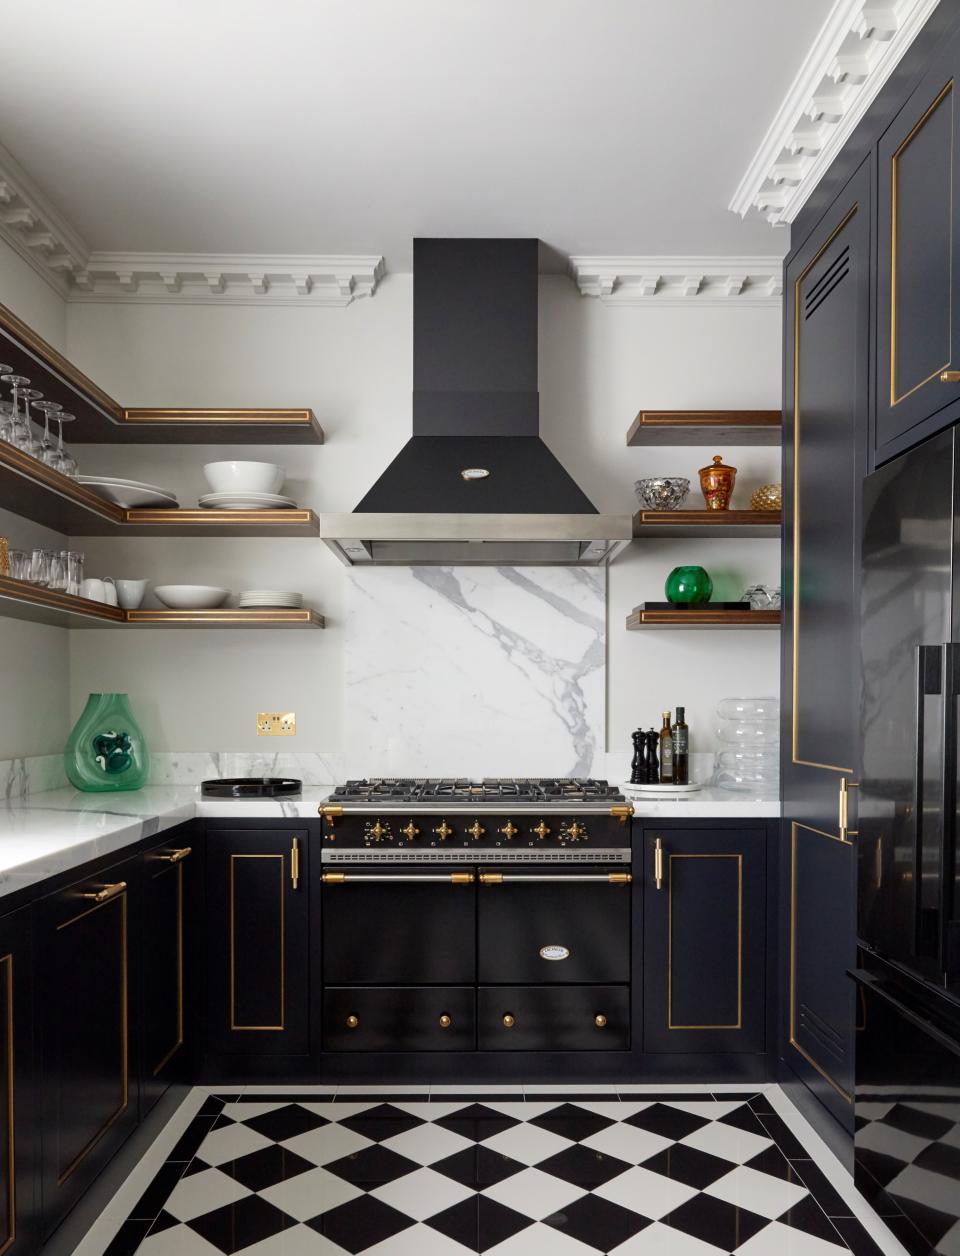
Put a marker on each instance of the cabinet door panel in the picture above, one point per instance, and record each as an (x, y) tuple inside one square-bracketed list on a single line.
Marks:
[(163, 1031), (704, 940), (19, 1133)]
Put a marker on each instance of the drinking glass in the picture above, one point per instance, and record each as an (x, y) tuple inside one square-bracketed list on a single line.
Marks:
[(16, 382), (74, 572), (20, 564), (24, 438), (41, 567), (57, 578), (48, 449), (64, 462), (6, 410)]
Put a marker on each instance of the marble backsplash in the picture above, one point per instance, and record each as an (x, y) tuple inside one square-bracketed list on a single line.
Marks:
[(475, 671)]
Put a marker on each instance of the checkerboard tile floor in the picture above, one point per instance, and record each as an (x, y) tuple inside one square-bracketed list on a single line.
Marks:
[(505, 1174)]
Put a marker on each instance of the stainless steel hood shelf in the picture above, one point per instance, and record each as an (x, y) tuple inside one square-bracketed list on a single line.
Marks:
[(541, 540)]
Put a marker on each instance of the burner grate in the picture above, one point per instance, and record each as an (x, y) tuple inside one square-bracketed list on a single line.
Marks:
[(490, 789)]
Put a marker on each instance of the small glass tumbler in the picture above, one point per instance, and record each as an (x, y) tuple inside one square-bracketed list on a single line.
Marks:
[(58, 571), (20, 564), (41, 567), (74, 572)]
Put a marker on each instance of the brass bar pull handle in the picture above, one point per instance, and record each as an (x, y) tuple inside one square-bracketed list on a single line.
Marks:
[(295, 864), (950, 377), (175, 856), (491, 878), (108, 892), (843, 819), (374, 878), (658, 864)]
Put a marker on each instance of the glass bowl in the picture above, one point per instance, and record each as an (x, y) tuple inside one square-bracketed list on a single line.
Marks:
[(749, 708), (749, 732), (665, 492)]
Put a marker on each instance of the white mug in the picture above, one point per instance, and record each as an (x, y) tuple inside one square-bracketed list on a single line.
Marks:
[(130, 593), (93, 589), (109, 591)]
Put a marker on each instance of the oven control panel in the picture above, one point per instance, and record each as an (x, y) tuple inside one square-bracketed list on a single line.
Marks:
[(535, 830)]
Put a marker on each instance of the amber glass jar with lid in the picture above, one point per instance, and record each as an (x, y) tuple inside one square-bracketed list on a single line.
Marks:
[(716, 483)]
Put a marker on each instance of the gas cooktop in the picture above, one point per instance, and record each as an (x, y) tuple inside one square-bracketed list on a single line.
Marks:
[(431, 791)]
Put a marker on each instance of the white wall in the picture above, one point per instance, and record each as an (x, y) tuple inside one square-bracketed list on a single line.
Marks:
[(34, 717), (599, 365)]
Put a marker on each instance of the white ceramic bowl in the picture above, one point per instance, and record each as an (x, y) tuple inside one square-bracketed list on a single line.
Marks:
[(244, 477), (191, 597)]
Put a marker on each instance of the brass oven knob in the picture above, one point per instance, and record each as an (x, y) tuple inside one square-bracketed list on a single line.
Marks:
[(573, 832), (476, 830), (508, 1021), (509, 830), (353, 1022), (600, 1020), (376, 831), (410, 831), (444, 831), (541, 830), (445, 1021)]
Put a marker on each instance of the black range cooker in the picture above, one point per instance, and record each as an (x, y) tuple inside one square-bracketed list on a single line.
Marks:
[(488, 915)]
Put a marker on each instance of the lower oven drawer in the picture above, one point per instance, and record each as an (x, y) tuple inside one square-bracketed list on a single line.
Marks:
[(553, 1018), (399, 1018)]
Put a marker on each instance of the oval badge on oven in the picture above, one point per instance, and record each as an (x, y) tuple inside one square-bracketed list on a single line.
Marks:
[(554, 951)]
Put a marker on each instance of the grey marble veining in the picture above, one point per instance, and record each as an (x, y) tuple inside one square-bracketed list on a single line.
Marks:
[(191, 768), (19, 778)]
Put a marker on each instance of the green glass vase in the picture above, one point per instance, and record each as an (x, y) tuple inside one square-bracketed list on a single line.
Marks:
[(106, 750), (688, 586)]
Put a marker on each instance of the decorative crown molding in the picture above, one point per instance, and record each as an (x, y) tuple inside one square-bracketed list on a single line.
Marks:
[(35, 228), (852, 57), (741, 281)]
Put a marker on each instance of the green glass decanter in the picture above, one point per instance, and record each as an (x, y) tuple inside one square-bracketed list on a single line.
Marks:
[(688, 586), (106, 750)]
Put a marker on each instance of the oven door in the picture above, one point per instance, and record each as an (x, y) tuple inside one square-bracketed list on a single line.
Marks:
[(398, 925), (553, 925)]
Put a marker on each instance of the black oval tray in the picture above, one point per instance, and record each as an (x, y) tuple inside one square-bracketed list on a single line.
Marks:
[(251, 787)]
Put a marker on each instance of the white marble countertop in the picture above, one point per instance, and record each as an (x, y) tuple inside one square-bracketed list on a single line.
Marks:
[(49, 833)]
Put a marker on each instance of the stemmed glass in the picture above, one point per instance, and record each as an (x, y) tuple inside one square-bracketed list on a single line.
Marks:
[(26, 440), (6, 410), (61, 459), (48, 451), (12, 425)]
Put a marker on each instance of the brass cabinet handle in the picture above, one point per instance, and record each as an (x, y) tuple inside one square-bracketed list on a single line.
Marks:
[(175, 856), (108, 892), (600, 1020), (295, 864), (843, 819), (445, 1021), (508, 1021), (658, 864), (375, 878), (353, 1022), (950, 377), (621, 812), (491, 878)]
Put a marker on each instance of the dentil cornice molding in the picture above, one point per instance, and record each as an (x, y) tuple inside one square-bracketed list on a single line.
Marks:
[(661, 281), (35, 228), (852, 57)]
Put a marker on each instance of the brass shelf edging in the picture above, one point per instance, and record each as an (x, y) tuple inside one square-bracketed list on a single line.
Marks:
[(742, 427), (703, 619)]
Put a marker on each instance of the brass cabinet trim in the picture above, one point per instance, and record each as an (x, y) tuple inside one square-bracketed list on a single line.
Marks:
[(121, 901), (738, 1024), (233, 947), (795, 609), (7, 961), (174, 864), (795, 825), (895, 400)]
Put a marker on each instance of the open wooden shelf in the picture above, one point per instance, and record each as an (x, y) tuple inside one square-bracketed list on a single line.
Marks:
[(715, 523), (101, 419), (704, 427), (19, 600), (703, 618), (37, 492)]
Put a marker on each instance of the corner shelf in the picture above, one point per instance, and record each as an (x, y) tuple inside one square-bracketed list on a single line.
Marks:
[(703, 618), (103, 420), (19, 600), (704, 523), (703, 427)]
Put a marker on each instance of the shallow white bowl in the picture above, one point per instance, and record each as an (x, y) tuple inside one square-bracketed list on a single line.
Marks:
[(246, 477), (191, 597)]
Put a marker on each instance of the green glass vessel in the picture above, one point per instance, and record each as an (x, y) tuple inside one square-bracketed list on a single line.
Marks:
[(688, 586), (106, 750)]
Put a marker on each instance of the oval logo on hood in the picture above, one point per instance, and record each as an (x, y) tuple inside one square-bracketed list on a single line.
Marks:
[(554, 951)]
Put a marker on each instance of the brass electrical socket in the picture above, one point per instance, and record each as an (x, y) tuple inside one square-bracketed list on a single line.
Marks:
[(276, 723)]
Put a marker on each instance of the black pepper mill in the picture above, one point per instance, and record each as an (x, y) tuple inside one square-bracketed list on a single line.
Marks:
[(651, 745), (637, 765)]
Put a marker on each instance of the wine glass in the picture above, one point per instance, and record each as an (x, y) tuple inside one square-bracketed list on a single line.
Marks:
[(24, 438), (11, 426), (64, 462), (48, 451), (6, 410)]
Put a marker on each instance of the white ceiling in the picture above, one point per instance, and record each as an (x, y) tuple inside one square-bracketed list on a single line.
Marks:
[(350, 126)]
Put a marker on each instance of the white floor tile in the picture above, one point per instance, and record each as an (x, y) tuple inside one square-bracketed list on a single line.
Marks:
[(230, 1143), (711, 1110), (654, 1088), (605, 1089), (327, 1143), (427, 1143), (337, 1111), (540, 1240), (384, 1089), (527, 1143), (627, 1142), (534, 1194), (727, 1142), (422, 1194), (299, 1240), (293, 1089), (177, 1240), (661, 1240), (758, 1192), (203, 1192), (244, 1111), (647, 1193), (949, 1245), (309, 1194), (782, 1240), (891, 1142), (466, 1088), (520, 1109), (932, 1189), (417, 1240)]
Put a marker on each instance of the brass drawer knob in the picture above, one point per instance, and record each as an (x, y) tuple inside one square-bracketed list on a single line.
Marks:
[(600, 1020), (950, 377), (508, 1021), (353, 1022), (445, 1021)]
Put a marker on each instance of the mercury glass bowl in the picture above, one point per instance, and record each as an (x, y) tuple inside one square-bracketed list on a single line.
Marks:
[(665, 492)]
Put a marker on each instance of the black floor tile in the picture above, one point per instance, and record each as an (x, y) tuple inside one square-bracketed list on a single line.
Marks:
[(163, 1221), (773, 1162), (738, 1096), (759, 1104), (345, 1096), (688, 1165), (286, 1122), (211, 1106), (383, 1121), (715, 1221), (189, 1141), (300, 1097), (360, 1223), (856, 1238), (787, 1141), (583, 1167), (679, 1096), (249, 1220), (158, 1192), (371, 1167), (479, 1223), (469, 1097), (570, 1121), (476, 1121), (478, 1167), (940, 1158), (743, 1118), (266, 1167), (128, 1238), (922, 1124), (669, 1122), (875, 1170), (808, 1216), (597, 1222), (196, 1165), (822, 1189), (222, 1121)]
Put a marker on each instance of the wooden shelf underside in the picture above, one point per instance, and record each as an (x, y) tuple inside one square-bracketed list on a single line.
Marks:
[(61, 610), (703, 619), (704, 427), (715, 523)]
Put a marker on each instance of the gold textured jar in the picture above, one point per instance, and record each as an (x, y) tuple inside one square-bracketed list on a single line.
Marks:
[(716, 483), (767, 497), (4, 556)]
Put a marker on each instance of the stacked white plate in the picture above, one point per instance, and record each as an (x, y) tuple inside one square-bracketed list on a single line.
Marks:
[(246, 501), (660, 791), (276, 599), (130, 494)]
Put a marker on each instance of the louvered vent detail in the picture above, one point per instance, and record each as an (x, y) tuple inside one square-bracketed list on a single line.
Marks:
[(817, 1028), (831, 278), (475, 856)]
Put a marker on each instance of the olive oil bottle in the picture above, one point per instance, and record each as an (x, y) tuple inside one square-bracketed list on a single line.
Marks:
[(666, 751), (681, 749)]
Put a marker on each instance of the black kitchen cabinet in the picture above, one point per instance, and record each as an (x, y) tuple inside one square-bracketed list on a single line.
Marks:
[(167, 965), (827, 384), (19, 1130), (704, 939), (918, 263), (258, 970), (418, 1018), (553, 1018), (89, 1101)]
